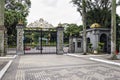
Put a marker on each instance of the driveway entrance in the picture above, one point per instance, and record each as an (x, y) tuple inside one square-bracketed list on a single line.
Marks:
[(60, 67)]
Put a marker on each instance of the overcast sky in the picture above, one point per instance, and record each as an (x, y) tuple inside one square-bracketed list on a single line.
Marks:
[(55, 12)]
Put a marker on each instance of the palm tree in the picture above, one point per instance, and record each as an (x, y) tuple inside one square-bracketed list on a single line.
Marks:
[(84, 25), (113, 30)]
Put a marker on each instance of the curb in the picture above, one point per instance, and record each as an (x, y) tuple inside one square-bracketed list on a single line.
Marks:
[(105, 61), (2, 72), (74, 55), (95, 59), (9, 57)]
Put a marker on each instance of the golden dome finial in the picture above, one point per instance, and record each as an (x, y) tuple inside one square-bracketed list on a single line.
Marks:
[(95, 25), (60, 25), (20, 22)]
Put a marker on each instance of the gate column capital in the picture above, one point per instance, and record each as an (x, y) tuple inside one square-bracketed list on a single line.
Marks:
[(60, 28)]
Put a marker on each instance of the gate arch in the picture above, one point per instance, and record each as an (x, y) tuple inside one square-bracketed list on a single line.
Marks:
[(103, 39)]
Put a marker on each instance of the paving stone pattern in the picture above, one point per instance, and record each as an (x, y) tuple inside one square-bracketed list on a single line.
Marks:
[(60, 67), (2, 64)]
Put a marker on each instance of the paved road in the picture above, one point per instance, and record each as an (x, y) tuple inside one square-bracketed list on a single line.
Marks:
[(34, 51), (60, 67)]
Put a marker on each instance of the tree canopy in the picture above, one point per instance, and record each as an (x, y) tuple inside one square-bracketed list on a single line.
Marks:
[(72, 29), (97, 11), (14, 12)]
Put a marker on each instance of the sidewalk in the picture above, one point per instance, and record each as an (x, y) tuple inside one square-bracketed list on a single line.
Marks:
[(2, 64), (5, 63), (100, 58)]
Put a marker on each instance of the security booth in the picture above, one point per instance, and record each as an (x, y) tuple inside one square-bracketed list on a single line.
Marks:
[(97, 35), (75, 45)]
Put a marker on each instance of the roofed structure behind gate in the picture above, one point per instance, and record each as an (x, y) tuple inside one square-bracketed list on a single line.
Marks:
[(95, 35)]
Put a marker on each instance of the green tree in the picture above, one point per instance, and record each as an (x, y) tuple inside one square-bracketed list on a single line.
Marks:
[(82, 9), (97, 11), (14, 12), (84, 26), (72, 30)]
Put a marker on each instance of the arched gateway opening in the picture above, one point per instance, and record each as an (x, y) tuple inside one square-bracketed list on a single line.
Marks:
[(103, 39)]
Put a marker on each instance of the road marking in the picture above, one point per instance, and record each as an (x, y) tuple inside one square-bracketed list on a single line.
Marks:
[(8, 57), (105, 61)]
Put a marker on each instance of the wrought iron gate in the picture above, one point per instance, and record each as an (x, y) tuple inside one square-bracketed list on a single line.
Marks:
[(40, 41)]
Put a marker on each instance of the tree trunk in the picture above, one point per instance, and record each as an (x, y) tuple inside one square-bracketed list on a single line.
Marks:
[(84, 26), (2, 29), (2, 12), (113, 30)]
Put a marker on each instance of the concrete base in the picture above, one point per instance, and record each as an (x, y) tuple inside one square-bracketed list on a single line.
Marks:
[(118, 56), (20, 52), (95, 52), (60, 53), (2, 40)]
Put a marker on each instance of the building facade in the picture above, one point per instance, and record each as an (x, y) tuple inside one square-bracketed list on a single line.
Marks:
[(96, 36)]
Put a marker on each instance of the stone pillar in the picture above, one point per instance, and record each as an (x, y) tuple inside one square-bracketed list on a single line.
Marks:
[(20, 36), (2, 28), (2, 3), (5, 41), (2, 41), (60, 43), (71, 46), (96, 40)]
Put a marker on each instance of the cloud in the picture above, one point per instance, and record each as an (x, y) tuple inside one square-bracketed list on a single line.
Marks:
[(54, 11), (50, 3)]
